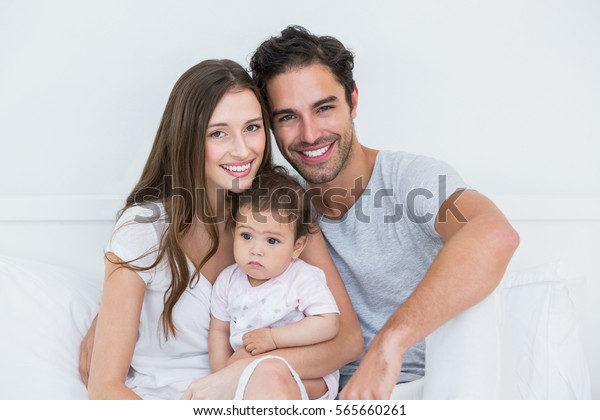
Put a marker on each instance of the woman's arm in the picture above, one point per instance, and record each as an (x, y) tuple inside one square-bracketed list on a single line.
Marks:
[(320, 359), (310, 330), (219, 349), (85, 352), (116, 332)]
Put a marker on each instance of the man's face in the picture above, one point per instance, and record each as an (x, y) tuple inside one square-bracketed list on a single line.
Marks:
[(312, 122)]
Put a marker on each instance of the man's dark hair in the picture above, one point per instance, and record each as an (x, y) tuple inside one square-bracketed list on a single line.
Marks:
[(296, 48), (280, 194)]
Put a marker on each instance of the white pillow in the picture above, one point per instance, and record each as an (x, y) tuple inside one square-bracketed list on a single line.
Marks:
[(522, 342), (542, 353), (462, 355), (44, 313)]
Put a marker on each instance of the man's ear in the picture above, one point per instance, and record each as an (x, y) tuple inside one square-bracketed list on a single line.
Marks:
[(354, 97), (299, 246)]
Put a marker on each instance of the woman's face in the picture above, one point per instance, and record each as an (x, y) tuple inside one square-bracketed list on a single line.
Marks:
[(235, 142)]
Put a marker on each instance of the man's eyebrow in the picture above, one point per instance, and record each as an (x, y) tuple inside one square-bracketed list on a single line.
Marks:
[(325, 101), (317, 104), (277, 112)]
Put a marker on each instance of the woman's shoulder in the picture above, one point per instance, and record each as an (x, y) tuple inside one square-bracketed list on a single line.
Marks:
[(138, 233), (149, 212)]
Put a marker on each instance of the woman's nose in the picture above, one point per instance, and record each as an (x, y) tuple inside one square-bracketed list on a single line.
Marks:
[(240, 147)]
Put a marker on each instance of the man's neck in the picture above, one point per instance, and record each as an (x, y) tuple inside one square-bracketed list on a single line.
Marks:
[(335, 198)]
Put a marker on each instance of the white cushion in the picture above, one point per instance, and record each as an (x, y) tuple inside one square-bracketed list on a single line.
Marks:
[(44, 313), (542, 352), (522, 342), (462, 355)]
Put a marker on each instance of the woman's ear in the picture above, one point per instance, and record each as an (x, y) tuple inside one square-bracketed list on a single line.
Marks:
[(299, 246)]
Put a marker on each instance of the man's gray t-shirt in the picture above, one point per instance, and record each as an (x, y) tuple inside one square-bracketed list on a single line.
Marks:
[(386, 242)]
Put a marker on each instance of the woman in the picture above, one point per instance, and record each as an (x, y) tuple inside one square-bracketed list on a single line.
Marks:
[(170, 244)]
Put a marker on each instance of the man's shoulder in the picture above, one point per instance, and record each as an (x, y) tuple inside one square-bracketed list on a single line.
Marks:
[(397, 167), (405, 159)]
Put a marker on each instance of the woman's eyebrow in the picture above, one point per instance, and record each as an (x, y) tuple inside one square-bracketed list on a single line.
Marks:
[(223, 124)]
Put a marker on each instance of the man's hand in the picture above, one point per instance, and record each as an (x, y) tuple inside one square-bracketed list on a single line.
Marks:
[(377, 374), (259, 341), (85, 352)]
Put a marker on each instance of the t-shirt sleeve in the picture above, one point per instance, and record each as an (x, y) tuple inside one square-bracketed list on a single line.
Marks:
[(218, 298), (430, 182), (314, 297), (136, 238)]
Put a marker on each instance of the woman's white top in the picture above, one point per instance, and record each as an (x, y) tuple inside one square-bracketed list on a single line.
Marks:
[(162, 369)]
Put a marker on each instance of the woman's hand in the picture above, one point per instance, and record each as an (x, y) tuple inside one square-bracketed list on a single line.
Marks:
[(85, 352), (220, 385)]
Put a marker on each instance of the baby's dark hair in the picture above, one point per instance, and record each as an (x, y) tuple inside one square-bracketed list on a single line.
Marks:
[(280, 194)]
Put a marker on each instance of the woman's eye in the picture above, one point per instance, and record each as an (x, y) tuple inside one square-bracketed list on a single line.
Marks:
[(272, 241), (246, 236), (253, 127), (217, 134)]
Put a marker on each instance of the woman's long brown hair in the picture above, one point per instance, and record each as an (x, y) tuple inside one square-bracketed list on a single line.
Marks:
[(175, 169)]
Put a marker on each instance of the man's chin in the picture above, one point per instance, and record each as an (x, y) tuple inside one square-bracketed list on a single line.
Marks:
[(315, 177)]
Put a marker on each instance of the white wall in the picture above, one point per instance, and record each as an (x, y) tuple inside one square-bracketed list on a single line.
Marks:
[(506, 91)]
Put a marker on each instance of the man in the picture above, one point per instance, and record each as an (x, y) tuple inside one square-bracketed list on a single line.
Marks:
[(413, 244)]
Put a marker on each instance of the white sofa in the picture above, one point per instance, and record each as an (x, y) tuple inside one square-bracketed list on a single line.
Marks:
[(520, 343)]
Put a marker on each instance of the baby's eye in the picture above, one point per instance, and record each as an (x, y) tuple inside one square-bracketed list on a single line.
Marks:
[(246, 236), (217, 134), (272, 241)]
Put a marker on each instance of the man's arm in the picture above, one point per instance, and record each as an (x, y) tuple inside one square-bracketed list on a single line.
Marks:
[(310, 330), (467, 269)]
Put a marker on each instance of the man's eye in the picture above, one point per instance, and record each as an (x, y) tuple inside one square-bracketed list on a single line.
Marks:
[(325, 108), (286, 118), (272, 241), (246, 236), (217, 134)]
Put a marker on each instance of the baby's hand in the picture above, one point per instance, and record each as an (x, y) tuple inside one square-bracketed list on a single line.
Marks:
[(259, 341)]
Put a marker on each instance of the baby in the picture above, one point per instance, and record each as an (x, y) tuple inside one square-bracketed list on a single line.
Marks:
[(270, 299)]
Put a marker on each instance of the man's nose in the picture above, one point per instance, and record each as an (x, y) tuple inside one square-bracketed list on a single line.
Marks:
[(310, 130)]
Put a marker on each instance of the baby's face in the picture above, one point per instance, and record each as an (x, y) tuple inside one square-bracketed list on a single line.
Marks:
[(264, 246)]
